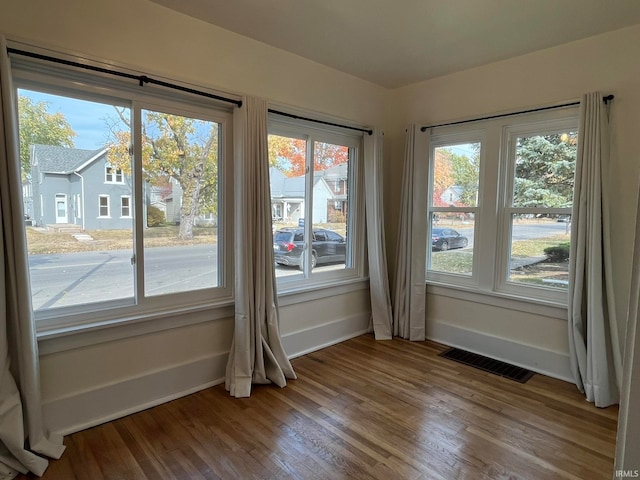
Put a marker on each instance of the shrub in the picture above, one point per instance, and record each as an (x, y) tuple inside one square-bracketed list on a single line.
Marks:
[(155, 216), (557, 253), (337, 217)]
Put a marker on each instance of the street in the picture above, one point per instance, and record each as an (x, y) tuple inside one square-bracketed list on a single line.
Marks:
[(86, 277), (525, 231)]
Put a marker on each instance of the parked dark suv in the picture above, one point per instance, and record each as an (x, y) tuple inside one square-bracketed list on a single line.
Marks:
[(327, 247)]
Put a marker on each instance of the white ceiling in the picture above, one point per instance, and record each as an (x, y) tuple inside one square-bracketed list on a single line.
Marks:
[(398, 42)]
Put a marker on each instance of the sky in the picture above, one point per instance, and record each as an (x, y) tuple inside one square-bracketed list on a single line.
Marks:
[(87, 119)]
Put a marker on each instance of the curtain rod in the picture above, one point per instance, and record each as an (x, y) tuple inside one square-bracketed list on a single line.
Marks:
[(605, 99), (297, 117), (141, 79)]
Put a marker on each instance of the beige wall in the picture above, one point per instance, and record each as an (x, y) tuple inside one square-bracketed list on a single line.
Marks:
[(608, 63), (149, 37), (123, 374)]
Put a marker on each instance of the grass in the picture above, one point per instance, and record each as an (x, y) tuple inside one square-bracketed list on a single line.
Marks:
[(43, 242), (535, 247), (460, 261)]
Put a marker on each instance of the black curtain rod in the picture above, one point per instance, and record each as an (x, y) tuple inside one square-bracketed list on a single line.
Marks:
[(606, 100), (141, 79), (297, 117)]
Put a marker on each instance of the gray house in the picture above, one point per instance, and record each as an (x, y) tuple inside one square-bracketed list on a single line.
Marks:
[(78, 187)]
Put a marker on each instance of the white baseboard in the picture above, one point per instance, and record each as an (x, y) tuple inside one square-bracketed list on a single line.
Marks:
[(108, 402), (87, 409), (315, 338), (547, 362)]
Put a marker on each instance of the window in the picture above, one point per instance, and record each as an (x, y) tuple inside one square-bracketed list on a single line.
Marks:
[(453, 204), (307, 166), (125, 206), (164, 156), (113, 175), (500, 204), (104, 206), (537, 211)]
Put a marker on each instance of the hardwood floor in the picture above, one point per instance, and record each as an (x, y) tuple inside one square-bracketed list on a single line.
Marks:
[(360, 409)]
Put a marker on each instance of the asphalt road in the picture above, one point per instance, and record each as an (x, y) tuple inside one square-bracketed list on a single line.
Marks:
[(525, 231), (87, 277)]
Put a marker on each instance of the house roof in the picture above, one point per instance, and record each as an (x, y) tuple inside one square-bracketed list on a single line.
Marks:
[(339, 172), (62, 160), (289, 187)]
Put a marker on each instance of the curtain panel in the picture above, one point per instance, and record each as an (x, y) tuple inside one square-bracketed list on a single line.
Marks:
[(381, 314), (24, 440), (257, 355), (410, 286), (594, 346)]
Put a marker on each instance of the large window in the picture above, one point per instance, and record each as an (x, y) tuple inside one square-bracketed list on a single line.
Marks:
[(314, 177), (453, 204), (500, 204), (160, 158)]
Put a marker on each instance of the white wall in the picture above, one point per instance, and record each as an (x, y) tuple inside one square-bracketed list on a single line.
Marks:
[(87, 380), (608, 63)]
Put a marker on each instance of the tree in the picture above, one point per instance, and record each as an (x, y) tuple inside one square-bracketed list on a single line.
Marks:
[(466, 173), (442, 176), (545, 169), (289, 155), (40, 127), (180, 150)]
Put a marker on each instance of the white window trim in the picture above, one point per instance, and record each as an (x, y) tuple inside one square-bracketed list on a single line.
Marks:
[(114, 175), (492, 232), (59, 80), (108, 205), (311, 132), (443, 140), (128, 197)]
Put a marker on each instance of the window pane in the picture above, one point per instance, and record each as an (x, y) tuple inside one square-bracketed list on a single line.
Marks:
[(456, 175), (540, 250), (330, 206), (76, 255), (180, 163), (287, 165), (544, 170), (452, 237)]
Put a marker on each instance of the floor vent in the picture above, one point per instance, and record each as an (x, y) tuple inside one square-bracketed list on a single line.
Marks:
[(488, 364)]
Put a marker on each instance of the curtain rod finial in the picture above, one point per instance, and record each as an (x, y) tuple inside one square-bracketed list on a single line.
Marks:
[(608, 98)]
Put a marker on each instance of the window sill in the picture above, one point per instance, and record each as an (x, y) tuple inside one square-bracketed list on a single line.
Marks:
[(500, 299), (67, 337)]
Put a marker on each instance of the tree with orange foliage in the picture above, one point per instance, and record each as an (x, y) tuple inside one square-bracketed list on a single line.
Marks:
[(442, 176), (289, 155)]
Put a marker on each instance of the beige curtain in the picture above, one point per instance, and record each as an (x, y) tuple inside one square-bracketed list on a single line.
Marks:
[(257, 355), (22, 432), (381, 314), (410, 286), (594, 345)]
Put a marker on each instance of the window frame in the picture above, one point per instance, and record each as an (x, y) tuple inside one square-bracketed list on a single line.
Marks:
[(506, 210), (69, 82), (311, 132), (106, 197), (109, 171), (128, 207), (444, 140), (492, 232)]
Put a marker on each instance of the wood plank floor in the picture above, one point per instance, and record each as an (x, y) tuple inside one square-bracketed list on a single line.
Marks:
[(360, 409)]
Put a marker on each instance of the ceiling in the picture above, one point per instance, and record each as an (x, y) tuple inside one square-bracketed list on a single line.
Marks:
[(398, 42)]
